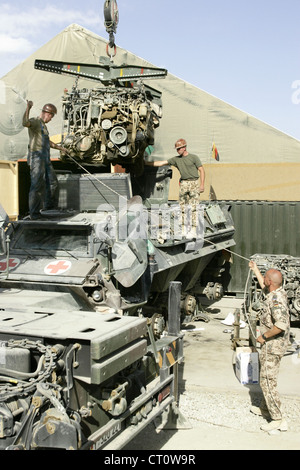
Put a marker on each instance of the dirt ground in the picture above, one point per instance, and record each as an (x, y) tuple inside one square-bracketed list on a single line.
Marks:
[(214, 404)]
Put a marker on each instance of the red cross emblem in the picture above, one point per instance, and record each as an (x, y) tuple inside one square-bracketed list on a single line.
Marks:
[(57, 267), (12, 263)]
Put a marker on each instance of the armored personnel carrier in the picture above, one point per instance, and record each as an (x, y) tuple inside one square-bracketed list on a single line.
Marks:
[(87, 356), (93, 294), (109, 249)]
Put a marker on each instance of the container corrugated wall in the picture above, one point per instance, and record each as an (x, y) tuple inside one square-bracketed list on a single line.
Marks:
[(262, 227)]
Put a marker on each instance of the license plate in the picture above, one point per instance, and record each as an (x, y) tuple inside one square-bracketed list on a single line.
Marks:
[(107, 434)]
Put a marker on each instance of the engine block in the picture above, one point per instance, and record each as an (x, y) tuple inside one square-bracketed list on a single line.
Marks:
[(110, 124), (289, 266)]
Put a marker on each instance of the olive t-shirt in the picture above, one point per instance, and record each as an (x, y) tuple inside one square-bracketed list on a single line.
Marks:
[(36, 130), (187, 166)]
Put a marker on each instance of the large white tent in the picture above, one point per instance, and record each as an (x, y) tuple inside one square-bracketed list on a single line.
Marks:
[(257, 161)]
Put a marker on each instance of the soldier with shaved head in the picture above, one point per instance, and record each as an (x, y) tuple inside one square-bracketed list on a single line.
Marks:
[(274, 340)]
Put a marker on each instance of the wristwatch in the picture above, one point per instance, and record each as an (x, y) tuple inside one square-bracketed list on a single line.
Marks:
[(263, 336)]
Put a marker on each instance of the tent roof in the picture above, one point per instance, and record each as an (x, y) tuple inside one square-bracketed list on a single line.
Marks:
[(188, 111)]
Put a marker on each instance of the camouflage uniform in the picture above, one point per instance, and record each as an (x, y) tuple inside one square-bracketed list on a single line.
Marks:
[(189, 189), (275, 312), (189, 197)]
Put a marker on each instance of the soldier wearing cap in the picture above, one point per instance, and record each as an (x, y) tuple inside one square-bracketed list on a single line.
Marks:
[(43, 193), (274, 340), (192, 177)]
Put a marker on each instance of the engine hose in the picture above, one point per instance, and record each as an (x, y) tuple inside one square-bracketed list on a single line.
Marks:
[(46, 391), (23, 375)]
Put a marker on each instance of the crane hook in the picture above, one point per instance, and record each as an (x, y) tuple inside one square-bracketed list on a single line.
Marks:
[(111, 19)]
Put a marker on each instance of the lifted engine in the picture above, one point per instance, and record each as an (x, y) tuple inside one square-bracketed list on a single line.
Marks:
[(109, 125), (113, 123)]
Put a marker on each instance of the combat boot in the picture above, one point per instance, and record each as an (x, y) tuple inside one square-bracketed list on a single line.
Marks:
[(260, 411), (274, 425)]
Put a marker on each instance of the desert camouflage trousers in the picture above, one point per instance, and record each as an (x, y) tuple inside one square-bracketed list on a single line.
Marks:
[(189, 199), (269, 370)]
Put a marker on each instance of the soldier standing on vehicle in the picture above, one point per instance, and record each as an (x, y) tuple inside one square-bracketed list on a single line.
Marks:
[(191, 171), (274, 340), (43, 192)]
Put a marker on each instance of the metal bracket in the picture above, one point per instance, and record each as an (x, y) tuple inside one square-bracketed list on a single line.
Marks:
[(104, 73)]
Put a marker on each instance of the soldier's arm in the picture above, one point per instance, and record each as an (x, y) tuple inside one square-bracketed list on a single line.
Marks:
[(280, 319), (25, 120), (280, 315), (55, 146), (274, 331), (202, 178), (260, 277), (157, 163)]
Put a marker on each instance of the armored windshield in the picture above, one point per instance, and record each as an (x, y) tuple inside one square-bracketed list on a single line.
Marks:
[(57, 239)]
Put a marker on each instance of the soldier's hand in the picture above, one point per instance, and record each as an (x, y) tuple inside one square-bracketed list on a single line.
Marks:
[(64, 150), (260, 340), (29, 104), (252, 265)]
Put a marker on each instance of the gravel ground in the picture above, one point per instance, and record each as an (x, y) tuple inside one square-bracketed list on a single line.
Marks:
[(231, 411), (217, 408), (220, 421)]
